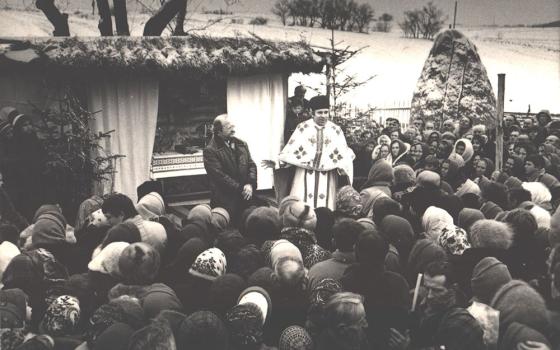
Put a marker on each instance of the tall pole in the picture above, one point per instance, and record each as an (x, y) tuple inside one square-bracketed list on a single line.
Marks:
[(455, 14), (499, 127)]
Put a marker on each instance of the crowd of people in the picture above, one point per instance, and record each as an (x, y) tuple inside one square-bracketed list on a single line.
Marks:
[(430, 248)]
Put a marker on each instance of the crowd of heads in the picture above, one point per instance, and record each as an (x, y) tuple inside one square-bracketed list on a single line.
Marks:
[(432, 247)]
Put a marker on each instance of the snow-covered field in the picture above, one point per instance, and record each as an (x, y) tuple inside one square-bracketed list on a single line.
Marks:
[(530, 57)]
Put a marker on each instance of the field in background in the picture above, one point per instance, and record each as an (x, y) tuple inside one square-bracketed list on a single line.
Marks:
[(530, 57)]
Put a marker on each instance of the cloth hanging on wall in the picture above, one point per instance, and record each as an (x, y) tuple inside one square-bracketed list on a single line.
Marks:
[(128, 105), (257, 106)]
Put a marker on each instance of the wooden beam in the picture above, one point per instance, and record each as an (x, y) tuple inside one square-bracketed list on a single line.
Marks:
[(500, 117)]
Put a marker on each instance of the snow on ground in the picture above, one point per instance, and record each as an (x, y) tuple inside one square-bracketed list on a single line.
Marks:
[(530, 57)]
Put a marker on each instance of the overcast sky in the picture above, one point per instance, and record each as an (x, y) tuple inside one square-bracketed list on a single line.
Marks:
[(470, 12)]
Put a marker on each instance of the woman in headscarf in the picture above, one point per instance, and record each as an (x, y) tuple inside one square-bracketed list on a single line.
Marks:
[(453, 174), (399, 153), (381, 140), (464, 148), (419, 151), (514, 166)]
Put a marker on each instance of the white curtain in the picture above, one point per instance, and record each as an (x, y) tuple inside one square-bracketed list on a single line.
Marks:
[(128, 105), (257, 106)]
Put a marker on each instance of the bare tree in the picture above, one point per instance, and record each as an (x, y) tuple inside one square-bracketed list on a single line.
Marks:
[(384, 23), (157, 23), (431, 20), (105, 24), (363, 16), (281, 9), (58, 20)]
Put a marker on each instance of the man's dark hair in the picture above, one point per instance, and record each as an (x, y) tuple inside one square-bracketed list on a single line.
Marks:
[(299, 88), (439, 268), (217, 126), (518, 196), (537, 160), (346, 233), (495, 192), (119, 204)]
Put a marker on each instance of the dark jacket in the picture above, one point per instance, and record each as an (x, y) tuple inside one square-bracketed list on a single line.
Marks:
[(228, 171)]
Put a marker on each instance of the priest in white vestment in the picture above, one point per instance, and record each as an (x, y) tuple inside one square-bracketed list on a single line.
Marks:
[(320, 158)]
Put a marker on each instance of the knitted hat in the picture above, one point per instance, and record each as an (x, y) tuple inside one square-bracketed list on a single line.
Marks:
[(490, 210), (209, 264), (225, 291), (348, 201), (148, 187), (151, 206), (62, 316), (151, 232), (513, 182), (107, 261), (491, 234), (517, 333), (259, 297), (115, 337), (123, 232), (454, 240), (468, 216), (139, 264), (12, 308), (282, 248), (404, 174), (245, 325), (295, 338), (487, 277), (159, 297), (428, 178), (49, 228), (322, 291), (517, 301), (201, 212), (262, 224), (314, 254), (298, 214), (202, 330), (220, 218), (319, 102)]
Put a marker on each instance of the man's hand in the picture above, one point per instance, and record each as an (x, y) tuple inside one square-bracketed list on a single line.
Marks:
[(247, 192), (268, 164)]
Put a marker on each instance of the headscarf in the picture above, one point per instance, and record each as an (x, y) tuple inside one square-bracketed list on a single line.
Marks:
[(434, 221), (468, 152)]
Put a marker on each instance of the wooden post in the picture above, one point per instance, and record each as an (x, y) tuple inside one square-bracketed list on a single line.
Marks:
[(455, 14), (499, 127)]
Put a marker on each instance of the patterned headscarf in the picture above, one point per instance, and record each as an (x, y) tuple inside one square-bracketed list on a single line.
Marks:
[(348, 201), (62, 316), (295, 338), (454, 240), (209, 264)]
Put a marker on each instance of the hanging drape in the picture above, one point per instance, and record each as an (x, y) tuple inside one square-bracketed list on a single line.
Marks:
[(128, 105), (257, 105)]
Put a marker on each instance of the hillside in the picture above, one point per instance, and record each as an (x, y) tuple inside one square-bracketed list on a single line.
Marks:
[(528, 56)]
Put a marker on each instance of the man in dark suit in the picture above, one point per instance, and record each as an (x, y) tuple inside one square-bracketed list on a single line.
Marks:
[(231, 171)]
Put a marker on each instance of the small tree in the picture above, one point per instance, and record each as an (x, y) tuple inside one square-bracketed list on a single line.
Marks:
[(363, 16), (281, 9), (384, 23), (432, 20), (411, 23)]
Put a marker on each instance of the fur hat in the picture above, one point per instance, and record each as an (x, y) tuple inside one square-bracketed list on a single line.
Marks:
[(262, 224), (225, 291), (202, 330), (295, 338), (488, 276), (513, 182), (404, 174), (245, 324), (298, 214), (107, 261), (62, 316), (490, 210), (246, 261), (220, 218), (491, 234), (139, 264), (468, 216), (209, 264), (263, 278), (519, 302), (151, 206), (348, 201), (13, 308)]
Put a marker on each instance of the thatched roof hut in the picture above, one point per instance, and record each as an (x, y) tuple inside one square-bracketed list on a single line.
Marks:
[(142, 85)]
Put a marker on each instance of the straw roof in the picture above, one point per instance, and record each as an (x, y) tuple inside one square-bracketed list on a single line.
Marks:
[(190, 56)]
